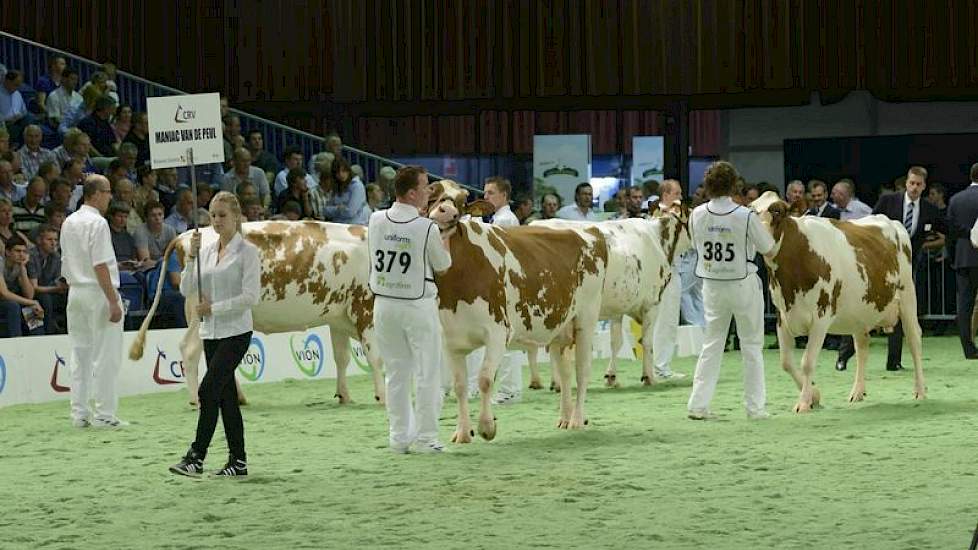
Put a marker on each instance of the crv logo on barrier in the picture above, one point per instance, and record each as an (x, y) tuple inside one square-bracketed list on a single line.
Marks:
[(160, 356), (310, 357), (252, 365), (58, 362)]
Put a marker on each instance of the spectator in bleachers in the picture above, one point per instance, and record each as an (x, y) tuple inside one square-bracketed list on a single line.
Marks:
[(4, 139), (145, 191), (296, 192), (99, 81), (115, 172), (246, 191), (167, 187), (50, 170), (13, 157), (97, 126), (375, 197), (204, 195), (127, 157), (385, 180), (122, 192), (63, 98), (111, 88), (292, 157), (49, 81), (13, 110), (242, 171), (122, 122), (152, 237), (54, 216), (179, 218), (28, 212), (139, 136), (346, 198), (32, 154), (334, 145), (319, 164), (260, 157), (7, 230), (122, 241), (76, 145), (232, 129), (60, 191), (524, 208), (581, 209), (44, 271), (225, 106), (550, 204), (291, 211), (253, 210), (16, 291), (8, 190), (212, 174), (844, 198), (73, 114), (74, 173)]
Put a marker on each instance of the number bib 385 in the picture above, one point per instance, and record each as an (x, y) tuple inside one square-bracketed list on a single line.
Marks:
[(721, 243), (398, 267)]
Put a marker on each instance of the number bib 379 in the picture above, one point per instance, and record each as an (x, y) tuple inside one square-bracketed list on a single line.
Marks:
[(398, 267), (721, 243)]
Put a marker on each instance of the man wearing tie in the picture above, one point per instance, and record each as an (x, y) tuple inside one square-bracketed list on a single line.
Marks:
[(920, 218), (962, 212), (819, 194)]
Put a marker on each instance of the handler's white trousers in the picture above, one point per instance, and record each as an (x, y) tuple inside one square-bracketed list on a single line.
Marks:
[(509, 375), (409, 340), (743, 301), (665, 333), (96, 353)]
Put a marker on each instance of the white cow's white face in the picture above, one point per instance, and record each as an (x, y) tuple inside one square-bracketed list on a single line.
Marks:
[(444, 214)]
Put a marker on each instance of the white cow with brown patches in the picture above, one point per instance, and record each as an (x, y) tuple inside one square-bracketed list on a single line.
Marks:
[(313, 274), (839, 277), (640, 255)]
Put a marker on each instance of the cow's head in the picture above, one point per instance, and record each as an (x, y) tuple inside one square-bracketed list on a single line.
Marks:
[(675, 227), (447, 215), (447, 190), (774, 214)]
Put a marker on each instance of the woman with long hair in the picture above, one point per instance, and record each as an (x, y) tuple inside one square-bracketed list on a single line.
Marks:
[(346, 197)]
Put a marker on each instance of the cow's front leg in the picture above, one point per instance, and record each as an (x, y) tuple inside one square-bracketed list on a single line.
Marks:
[(861, 341), (611, 374), (809, 397), (463, 427), (377, 371), (911, 330), (648, 359), (341, 356), (495, 350)]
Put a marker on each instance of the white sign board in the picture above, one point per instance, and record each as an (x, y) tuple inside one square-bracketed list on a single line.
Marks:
[(181, 122), (562, 162), (648, 157)]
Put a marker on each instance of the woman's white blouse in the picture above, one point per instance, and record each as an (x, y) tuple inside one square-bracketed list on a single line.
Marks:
[(232, 286)]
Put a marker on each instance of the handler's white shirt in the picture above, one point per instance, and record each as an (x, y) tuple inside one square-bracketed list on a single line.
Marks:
[(233, 287), (439, 259), (573, 212), (86, 243), (504, 217)]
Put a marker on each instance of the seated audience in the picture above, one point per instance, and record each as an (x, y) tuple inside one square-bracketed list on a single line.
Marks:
[(139, 136), (122, 122), (16, 290), (292, 157), (145, 191), (99, 129), (295, 192), (122, 241), (32, 155), (253, 210), (8, 188), (44, 271), (152, 237), (242, 171), (54, 216), (259, 156), (345, 198), (179, 218), (29, 211), (64, 98)]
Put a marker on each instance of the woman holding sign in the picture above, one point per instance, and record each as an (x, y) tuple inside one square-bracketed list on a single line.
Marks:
[(726, 237), (229, 287)]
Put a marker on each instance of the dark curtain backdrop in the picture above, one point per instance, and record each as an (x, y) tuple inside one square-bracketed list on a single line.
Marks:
[(481, 76)]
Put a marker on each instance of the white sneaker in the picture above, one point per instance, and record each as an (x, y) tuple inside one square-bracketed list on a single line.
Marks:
[(430, 447), (81, 423), (701, 414), (671, 375), (506, 398), (398, 450), (758, 415), (110, 423)]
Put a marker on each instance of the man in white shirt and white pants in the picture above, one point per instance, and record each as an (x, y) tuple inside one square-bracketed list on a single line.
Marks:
[(497, 191), (94, 307), (406, 250)]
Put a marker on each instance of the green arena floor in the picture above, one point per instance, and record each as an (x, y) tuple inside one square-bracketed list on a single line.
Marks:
[(885, 473)]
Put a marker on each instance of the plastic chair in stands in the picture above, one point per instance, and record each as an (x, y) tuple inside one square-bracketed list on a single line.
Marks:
[(133, 292)]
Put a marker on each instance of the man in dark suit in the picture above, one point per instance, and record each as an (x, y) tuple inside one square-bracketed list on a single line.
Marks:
[(921, 219), (962, 212), (818, 193)]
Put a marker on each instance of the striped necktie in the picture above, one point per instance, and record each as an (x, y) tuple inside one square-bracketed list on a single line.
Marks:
[(908, 219)]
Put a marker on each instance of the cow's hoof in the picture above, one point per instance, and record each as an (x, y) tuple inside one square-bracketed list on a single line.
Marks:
[(611, 381), (462, 436), (563, 424), (920, 395), (487, 430), (857, 395), (343, 398), (647, 380), (536, 385), (816, 398), (803, 407), (242, 401)]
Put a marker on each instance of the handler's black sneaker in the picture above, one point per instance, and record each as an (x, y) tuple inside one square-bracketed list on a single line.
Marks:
[(192, 464), (234, 467)]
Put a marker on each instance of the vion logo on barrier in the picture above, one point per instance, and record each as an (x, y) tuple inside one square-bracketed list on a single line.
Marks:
[(310, 357), (58, 362), (160, 357), (252, 365), (3, 374)]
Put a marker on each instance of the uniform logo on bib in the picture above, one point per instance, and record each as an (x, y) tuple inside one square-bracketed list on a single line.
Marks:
[(310, 356), (252, 365)]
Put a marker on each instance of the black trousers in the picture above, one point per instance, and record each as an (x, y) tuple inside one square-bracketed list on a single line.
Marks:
[(967, 282), (218, 394)]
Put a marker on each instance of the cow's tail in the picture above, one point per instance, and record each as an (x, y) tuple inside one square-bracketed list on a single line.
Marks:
[(136, 349)]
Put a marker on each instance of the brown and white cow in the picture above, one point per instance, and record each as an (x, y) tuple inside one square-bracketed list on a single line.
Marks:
[(640, 256), (839, 277), (313, 274), (519, 286)]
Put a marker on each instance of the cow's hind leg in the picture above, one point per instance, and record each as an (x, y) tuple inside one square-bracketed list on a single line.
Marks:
[(911, 329), (584, 337), (367, 340), (341, 355), (460, 378), (561, 361), (648, 359), (861, 341), (611, 374), (816, 337)]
